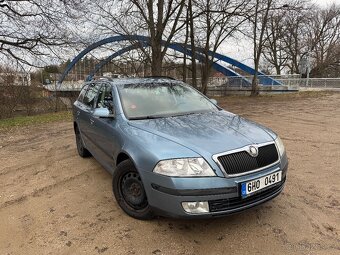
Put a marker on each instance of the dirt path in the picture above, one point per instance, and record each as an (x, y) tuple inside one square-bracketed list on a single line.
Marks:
[(54, 202)]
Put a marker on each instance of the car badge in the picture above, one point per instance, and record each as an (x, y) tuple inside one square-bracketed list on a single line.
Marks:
[(253, 151)]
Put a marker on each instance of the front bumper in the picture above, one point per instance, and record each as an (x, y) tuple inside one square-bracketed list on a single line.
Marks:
[(165, 194)]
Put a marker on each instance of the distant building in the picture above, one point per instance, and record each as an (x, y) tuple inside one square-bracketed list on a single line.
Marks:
[(217, 79)]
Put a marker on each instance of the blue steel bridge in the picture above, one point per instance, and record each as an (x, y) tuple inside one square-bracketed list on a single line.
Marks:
[(139, 41)]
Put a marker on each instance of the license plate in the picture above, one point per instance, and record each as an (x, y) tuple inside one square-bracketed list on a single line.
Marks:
[(248, 188)]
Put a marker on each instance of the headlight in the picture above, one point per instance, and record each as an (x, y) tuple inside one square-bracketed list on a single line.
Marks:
[(188, 167), (280, 146)]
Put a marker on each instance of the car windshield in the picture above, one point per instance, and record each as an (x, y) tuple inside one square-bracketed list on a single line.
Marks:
[(157, 100)]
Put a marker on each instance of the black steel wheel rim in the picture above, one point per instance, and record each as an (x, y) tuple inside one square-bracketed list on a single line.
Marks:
[(132, 190)]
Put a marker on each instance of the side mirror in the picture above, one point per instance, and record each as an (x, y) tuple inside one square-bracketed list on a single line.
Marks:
[(214, 101), (102, 113)]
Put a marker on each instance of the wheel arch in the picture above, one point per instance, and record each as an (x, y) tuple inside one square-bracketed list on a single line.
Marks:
[(122, 156), (75, 127)]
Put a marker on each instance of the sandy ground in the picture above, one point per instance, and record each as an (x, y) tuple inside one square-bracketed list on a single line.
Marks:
[(54, 202)]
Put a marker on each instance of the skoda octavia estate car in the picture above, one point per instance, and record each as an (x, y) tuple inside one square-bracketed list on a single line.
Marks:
[(174, 152)]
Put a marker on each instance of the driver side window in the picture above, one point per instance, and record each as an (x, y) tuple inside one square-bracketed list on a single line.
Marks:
[(105, 99), (90, 95)]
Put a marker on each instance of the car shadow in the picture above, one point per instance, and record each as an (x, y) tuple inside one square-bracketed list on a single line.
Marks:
[(232, 222)]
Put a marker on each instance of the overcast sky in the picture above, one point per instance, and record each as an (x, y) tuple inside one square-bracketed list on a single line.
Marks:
[(242, 50), (326, 2)]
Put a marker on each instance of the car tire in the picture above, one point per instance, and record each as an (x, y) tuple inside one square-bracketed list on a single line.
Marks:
[(82, 151), (129, 191)]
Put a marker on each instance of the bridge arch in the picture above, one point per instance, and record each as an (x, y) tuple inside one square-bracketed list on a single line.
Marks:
[(177, 47), (144, 41)]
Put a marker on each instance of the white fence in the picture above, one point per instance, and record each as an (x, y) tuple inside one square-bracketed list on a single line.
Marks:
[(321, 83), (292, 81)]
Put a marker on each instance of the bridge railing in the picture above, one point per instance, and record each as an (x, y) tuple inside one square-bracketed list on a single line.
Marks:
[(290, 82)]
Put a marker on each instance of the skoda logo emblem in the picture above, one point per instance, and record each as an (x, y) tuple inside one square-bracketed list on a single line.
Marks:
[(253, 151)]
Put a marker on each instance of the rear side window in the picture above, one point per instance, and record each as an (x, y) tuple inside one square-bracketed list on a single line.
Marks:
[(91, 94), (82, 93)]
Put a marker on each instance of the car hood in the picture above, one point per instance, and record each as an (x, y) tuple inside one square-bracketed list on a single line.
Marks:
[(212, 132)]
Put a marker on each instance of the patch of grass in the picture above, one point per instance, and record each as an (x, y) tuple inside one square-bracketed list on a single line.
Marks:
[(21, 121)]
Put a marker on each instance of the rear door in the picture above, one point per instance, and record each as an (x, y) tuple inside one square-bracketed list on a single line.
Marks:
[(85, 113), (78, 106)]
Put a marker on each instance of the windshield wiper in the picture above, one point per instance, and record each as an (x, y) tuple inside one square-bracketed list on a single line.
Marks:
[(185, 113), (149, 117), (163, 116)]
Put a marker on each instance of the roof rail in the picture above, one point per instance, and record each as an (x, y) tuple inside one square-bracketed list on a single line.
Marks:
[(103, 78), (160, 76)]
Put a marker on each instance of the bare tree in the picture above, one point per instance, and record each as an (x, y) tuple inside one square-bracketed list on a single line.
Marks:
[(29, 28), (324, 40), (15, 92), (166, 14), (190, 37), (184, 66), (274, 49), (218, 20), (160, 20), (299, 30), (259, 18), (295, 36), (192, 43)]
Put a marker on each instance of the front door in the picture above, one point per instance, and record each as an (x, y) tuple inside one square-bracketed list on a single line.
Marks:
[(105, 130)]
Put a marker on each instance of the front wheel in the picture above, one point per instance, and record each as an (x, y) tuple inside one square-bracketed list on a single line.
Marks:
[(129, 192)]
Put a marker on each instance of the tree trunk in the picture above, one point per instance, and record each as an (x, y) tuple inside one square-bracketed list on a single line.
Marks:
[(254, 86), (258, 45), (193, 48), (193, 65), (156, 59), (184, 68), (278, 69), (254, 83), (56, 93), (206, 68), (205, 79)]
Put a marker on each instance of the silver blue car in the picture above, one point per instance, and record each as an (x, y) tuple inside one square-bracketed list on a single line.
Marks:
[(174, 152)]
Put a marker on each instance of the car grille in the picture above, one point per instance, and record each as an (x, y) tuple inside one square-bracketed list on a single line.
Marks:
[(237, 202), (241, 162)]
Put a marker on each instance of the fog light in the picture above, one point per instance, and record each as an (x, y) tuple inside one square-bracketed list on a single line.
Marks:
[(195, 207)]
